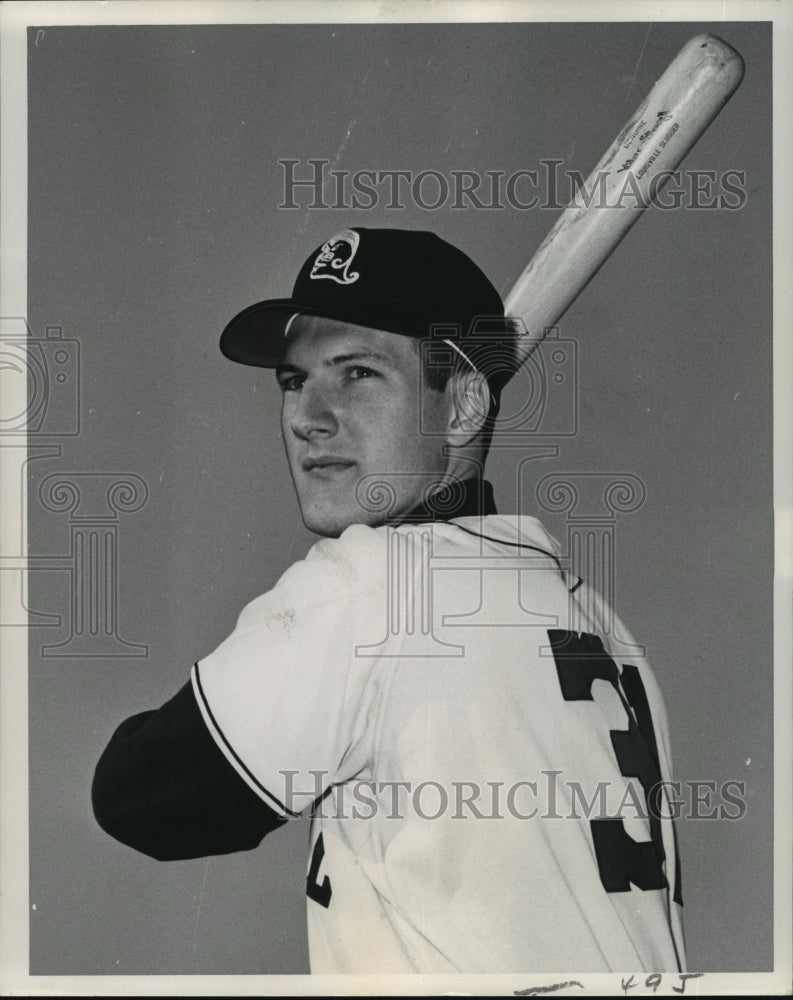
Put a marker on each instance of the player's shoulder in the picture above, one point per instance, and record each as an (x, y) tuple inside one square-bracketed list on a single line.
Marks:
[(352, 553), (335, 571), (359, 556), (349, 564), (354, 562)]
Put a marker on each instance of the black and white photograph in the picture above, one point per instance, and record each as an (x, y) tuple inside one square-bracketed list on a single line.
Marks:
[(396, 498)]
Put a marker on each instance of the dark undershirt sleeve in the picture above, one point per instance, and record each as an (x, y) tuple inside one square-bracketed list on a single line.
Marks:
[(164, 787)]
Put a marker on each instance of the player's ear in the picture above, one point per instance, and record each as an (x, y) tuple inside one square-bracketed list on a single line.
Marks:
[(470, 405)]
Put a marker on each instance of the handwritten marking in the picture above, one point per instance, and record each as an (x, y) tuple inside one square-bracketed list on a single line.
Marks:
[(653, 981), (683, 977), (535, 991)]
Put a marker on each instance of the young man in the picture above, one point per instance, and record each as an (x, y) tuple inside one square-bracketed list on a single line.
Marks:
[(486, 760)]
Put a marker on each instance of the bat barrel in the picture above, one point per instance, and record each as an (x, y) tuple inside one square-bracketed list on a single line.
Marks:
[(652, 144)]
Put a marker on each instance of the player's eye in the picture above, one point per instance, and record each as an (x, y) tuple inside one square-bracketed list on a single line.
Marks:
[(291, 382), (355, 373)]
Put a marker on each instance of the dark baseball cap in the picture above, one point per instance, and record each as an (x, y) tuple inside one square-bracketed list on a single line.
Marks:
[(403, 281)]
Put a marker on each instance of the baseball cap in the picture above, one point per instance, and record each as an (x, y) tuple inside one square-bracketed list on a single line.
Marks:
[(404, 281)]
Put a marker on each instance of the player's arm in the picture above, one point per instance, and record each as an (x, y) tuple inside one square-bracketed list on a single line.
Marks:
[(164, 787), (204, 774)]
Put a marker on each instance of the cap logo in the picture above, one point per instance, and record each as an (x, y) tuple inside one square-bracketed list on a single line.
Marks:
[(334, 258)]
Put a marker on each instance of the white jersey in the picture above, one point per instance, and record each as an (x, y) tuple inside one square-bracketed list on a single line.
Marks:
[(483, 745)]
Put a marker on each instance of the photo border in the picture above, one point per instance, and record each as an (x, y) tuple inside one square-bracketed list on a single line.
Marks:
[(15, 17)]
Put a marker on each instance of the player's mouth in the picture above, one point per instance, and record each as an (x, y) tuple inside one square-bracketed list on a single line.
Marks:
[(326, 465)]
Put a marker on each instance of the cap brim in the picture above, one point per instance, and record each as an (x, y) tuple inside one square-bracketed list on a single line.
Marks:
[(257, 335)]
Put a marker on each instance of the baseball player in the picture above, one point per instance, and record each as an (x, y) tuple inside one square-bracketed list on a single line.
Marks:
[(482, 745)]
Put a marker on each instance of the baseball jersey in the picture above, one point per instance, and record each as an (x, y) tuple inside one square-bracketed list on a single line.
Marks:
[(482, 744)]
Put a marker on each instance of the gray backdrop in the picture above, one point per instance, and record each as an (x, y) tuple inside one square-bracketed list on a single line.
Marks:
[(154, 188)]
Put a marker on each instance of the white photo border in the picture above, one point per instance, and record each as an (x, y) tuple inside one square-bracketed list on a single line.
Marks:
[(15, 17)]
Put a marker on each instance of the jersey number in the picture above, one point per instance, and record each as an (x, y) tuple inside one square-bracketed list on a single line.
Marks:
[(319, 892), (581, 660)]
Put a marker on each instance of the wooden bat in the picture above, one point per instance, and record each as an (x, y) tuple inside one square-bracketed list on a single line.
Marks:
[(682, 104)]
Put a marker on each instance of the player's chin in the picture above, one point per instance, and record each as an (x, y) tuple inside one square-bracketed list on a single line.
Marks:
[(330, 523), (330, 515)]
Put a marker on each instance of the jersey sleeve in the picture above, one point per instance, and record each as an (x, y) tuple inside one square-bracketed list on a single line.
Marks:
[(162, 787), (285, 697)]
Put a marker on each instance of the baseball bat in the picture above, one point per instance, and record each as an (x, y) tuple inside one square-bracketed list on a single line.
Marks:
[(684, 101)]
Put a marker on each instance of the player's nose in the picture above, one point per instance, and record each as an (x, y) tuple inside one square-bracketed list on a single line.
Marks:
[(314, 413)]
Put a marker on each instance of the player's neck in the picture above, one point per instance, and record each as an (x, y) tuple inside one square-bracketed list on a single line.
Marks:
[(471, 496)]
